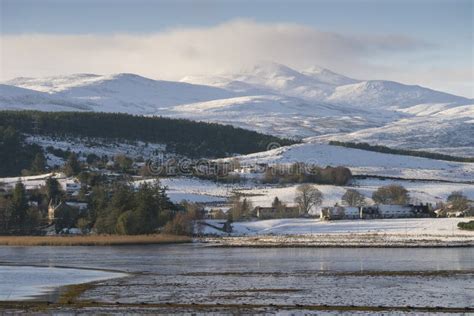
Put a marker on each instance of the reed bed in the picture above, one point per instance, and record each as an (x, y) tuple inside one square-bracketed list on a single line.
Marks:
[(92, 240)]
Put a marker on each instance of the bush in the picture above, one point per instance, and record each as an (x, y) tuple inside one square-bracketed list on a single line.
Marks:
[(301, 173), (466, 225), (182, 224), (458, 201)]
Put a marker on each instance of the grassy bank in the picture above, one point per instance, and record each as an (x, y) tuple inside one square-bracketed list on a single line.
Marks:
[(92, 240)]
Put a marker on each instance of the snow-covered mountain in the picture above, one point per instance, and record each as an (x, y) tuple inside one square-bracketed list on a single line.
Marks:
[(378, 94), (279, 79), (327, 76), (322, 85), (127, 93), (12, 97), (315, 103)]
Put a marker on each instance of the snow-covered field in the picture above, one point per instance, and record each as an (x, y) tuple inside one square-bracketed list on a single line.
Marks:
[(34, 182), (365, 162), (305, 226), (410, 232), (425, 192), (196, 190)]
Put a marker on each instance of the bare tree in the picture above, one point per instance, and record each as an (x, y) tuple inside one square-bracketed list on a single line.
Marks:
[(391, 194), (353, 198), (458, 201), (307, 196)]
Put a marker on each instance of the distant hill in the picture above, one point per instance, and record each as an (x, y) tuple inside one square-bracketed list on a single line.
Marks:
[(272, 99)]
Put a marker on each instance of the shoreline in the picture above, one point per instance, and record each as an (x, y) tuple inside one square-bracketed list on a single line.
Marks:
[(361, 240), (61, 293), (93, 240), (167, 308)]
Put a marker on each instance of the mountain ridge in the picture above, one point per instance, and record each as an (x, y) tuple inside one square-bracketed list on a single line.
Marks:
[(315, 103)]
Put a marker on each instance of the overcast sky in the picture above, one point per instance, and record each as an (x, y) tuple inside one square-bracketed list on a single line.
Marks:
[(423, 42)]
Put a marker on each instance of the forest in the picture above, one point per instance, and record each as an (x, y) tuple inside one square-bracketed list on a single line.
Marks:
[(185, 137), (15, 154)]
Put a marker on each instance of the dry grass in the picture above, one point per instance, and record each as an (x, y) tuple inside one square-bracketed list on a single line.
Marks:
[(92, 240)]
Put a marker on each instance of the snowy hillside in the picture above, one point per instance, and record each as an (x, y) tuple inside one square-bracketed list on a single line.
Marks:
[(12, 97), (279, 115), (365, 162), (385, 94), (269, 98), (448, 130)]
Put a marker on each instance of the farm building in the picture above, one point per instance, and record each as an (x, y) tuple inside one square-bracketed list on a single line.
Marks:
[(395, 211), (340, 212), (374, 211), (333, 212), (369, 212)]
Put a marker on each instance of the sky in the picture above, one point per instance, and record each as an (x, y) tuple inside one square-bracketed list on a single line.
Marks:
[(429, 43)]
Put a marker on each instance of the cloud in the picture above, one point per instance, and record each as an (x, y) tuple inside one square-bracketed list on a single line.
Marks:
[(175, 53)]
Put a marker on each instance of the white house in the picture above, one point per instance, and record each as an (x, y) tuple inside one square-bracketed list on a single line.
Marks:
[(395, 211), (339, 212), (352, 212), (367, 212), (332, 212)]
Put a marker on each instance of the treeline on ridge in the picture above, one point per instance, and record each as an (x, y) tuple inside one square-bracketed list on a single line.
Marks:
[(193, 139), (405, 152), (15, 154)]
